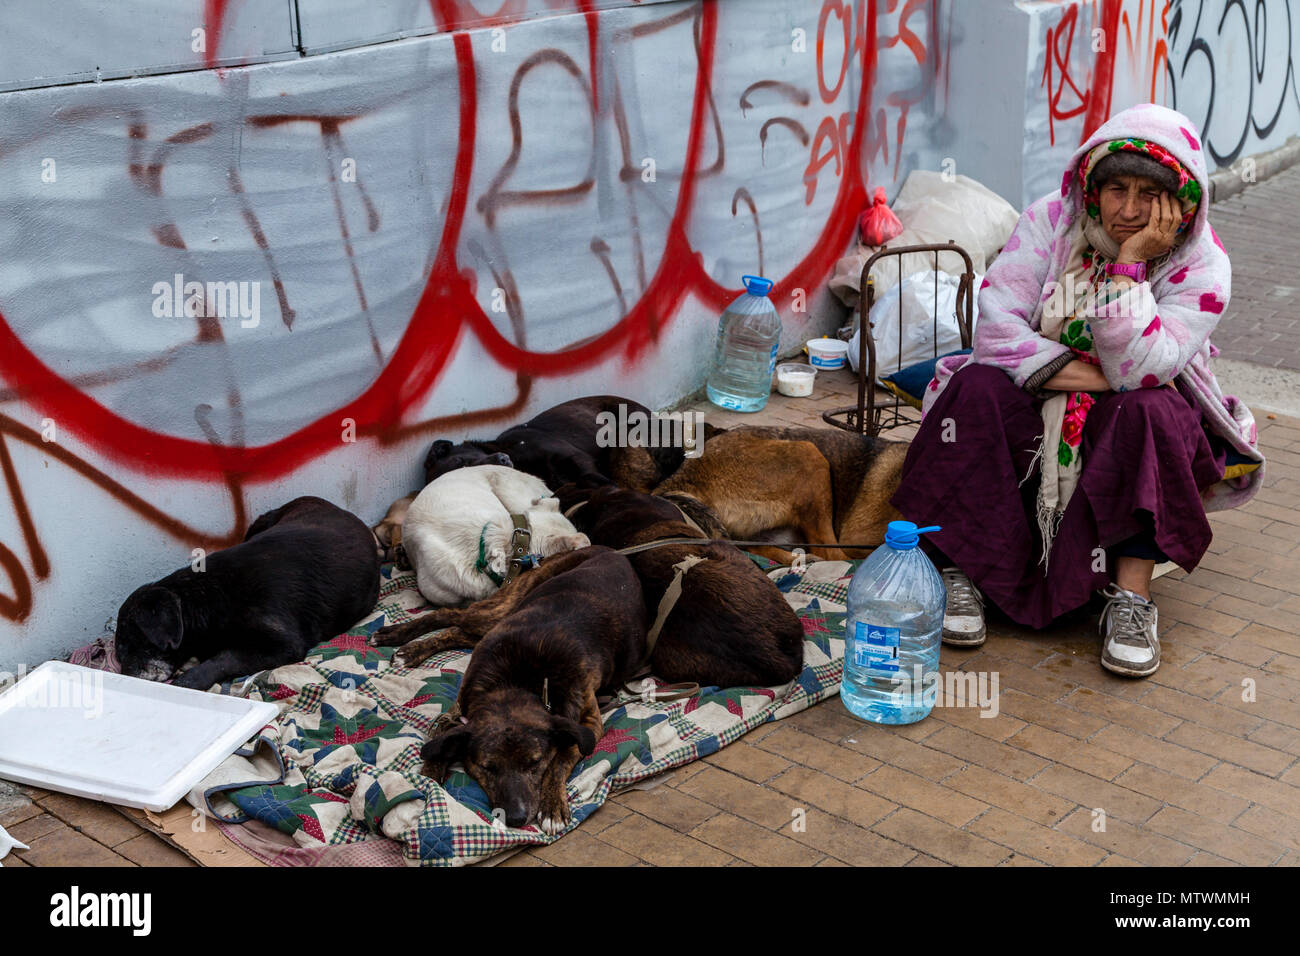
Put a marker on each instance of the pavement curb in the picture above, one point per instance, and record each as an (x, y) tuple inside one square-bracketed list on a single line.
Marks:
[(1228, 182)]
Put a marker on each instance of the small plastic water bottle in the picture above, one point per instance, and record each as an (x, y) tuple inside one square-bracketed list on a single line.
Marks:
[(749, 334), (893, 630)]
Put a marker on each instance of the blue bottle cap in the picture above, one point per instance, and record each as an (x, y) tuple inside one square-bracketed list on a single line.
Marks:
[(904, 535), (757, 285)]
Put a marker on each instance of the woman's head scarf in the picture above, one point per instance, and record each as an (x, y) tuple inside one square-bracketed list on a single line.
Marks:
[(1187, 189)]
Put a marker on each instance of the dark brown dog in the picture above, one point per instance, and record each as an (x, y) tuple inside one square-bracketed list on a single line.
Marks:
[(819, 484), (730, 627), (560, 634)]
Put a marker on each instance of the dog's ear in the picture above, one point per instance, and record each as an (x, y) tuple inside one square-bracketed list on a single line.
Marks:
[(441, 448), (565, 731), (445, 749), (158, 616)]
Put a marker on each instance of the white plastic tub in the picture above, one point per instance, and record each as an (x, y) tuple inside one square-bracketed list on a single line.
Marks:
[(116, 738), (827, 353)]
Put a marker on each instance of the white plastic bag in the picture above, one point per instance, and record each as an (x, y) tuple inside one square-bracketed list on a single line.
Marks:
[(924, 295), (933, 209)]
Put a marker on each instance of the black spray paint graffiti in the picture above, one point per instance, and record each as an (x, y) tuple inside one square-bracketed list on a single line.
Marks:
[(1247, 94)]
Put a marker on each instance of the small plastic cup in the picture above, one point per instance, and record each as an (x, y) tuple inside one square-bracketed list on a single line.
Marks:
[(795, 379)]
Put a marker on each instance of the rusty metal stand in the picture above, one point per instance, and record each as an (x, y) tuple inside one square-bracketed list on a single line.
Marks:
[(868, 417)]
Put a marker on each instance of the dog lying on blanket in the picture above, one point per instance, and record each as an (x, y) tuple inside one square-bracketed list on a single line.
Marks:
[(458, 530), (545, 646), (560, 445), (729, 626), (303, 573), (764, 483), (564, 444)]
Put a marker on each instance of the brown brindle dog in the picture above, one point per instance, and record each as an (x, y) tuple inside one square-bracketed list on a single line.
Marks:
[(545, 646), (730, 626), (821, 484)]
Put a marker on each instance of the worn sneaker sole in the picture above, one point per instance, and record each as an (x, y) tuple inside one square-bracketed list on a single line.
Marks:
[(964, 638), (1129, 670)]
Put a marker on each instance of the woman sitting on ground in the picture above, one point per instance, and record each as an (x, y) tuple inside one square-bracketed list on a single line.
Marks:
[(1086, 437)]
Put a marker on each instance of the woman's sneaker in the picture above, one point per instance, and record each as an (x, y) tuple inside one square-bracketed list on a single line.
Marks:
[(1128, 625), (963, 618)]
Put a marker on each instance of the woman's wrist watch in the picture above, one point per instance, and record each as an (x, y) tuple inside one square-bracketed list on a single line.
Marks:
[(1137, 271)]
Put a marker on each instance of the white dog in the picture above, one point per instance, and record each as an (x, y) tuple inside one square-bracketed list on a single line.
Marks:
[(459, 527)]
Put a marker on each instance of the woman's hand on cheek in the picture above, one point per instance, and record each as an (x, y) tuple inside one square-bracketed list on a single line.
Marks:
[(1157, 236)]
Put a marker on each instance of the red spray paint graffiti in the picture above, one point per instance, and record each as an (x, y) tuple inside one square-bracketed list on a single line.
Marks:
[(429, 339)]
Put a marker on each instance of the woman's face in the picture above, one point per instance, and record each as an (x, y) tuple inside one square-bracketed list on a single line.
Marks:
[(1126, 205)]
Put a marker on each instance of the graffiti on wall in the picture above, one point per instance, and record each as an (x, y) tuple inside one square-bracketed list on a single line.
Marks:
[(260, 268), (1232, 68), (1228, 64)]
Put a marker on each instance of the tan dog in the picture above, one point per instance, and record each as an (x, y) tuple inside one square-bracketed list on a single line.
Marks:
[(388, 533), (817, 484)]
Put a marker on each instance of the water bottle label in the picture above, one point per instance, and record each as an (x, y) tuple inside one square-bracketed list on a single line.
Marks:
[(876, 647)]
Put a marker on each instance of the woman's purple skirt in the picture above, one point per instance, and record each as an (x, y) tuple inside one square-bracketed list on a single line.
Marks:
[(1146, 455)]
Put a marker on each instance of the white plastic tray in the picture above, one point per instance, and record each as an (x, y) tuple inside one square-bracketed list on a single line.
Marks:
[(119, 739)]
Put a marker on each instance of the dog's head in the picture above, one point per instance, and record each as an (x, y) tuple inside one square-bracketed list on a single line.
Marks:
[(444, 457), (149, 632), (507, 745)]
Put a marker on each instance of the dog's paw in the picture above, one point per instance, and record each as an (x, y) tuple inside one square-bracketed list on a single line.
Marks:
[(195, 679), (553, 813), (551, 826), (390, 636), (574, 542), (412, 655)]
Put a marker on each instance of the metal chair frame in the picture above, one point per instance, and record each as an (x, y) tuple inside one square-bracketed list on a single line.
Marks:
[(869, 417)]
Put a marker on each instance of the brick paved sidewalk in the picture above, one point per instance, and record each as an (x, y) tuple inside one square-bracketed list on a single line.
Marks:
[(1258, 227), (1188, 766), (69, 831)]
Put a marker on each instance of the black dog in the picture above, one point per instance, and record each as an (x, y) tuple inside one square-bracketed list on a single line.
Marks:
[(304, 573), (563, 445), (545, 646), (729, 627)]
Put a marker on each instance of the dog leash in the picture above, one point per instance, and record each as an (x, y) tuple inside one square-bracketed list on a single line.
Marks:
[(782, 545)]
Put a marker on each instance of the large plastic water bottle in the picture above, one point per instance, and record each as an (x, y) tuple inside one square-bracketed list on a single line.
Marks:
[(894, 626), (749, 334)]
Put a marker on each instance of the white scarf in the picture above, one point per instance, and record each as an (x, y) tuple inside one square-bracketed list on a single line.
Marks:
[(1061, 460)]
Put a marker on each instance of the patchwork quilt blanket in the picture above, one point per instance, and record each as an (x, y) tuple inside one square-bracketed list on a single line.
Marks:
[(352, 723)]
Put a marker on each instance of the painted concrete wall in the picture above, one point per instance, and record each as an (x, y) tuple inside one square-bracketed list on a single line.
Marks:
[(443, 233), (446, 234), (1230, 66)]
